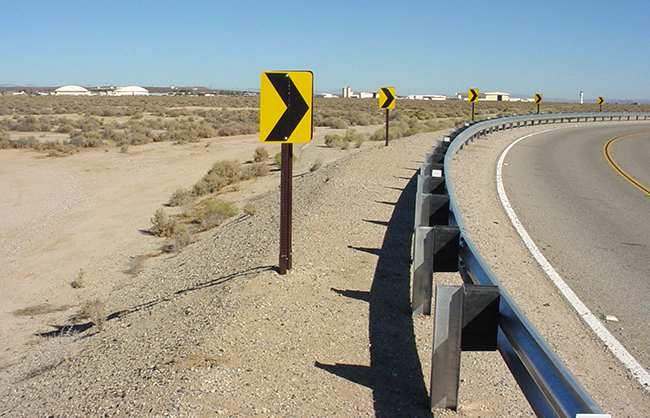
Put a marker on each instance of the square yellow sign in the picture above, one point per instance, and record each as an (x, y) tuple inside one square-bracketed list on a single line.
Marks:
[(286, 114)]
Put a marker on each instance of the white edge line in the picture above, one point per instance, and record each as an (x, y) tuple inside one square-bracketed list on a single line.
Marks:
[(632, 365)]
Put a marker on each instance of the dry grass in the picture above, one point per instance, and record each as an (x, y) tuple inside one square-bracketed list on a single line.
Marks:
[(41, 309), (79, 281), (92, 310), (164, 225)]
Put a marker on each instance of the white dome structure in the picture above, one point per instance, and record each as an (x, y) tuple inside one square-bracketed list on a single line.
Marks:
[(71, 90), (131, 91)]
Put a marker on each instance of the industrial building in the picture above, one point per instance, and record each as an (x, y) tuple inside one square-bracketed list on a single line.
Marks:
[(497, 96), (427, 97), (130, 91), (71, 90)]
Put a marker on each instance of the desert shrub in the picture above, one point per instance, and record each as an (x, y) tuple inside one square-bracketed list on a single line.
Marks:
[(214, 213), (65, 128), (255, 170), (361, 119), (250, 209), (79, 281), (163, 225), (336, 123), (25, 142), (205, 130), (228, 169), (180, 239), (332, 139), (4, 140), (94, 311), (59, 149), (261, 154), (214, 182), (316, 165), (180, 197)]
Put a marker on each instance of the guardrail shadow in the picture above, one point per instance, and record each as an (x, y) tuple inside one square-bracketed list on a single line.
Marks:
[(395, 373)]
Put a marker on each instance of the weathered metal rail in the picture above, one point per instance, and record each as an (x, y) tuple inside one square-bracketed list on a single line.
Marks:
[(549, 386)]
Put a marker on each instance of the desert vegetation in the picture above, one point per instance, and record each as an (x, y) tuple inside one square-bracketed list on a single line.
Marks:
[(64, 125), (200, 207)]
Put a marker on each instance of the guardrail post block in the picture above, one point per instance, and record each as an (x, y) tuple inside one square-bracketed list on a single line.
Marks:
[(445, 249), (445, 365), (466, 319), (423, 270), (480, 317), (438, 210)]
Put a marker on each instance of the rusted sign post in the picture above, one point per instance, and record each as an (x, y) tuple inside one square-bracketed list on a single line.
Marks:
[(286, 117)]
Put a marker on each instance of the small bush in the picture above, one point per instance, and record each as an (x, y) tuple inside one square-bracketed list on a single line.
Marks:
[(164, 225), (181, 238), (250, 209), (79, 282), (256, 170), (317, 164), (228, 169), (179, 197), (331, 140), (261, 154), (94, 311), (214, 213), (336, 123)]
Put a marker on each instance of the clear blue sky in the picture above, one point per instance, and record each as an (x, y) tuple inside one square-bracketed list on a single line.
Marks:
[(556, 48)]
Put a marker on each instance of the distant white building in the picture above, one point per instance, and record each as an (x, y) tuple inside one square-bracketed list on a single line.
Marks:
[(71, 90), (346, 92), (497, 96), (329, 96), (368, 95), (131, 91), (427, 97)]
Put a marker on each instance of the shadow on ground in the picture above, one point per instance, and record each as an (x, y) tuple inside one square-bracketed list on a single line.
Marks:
[(73, 329), (395, 373)]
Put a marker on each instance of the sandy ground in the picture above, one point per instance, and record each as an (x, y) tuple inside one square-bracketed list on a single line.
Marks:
[(215, 331), (89, 213)]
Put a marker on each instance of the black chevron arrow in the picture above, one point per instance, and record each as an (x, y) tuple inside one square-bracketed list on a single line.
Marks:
[(389, 98), (473, 96), (296, 107)]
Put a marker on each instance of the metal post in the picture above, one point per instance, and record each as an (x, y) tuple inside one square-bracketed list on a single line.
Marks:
[(286, 180), (387, 110), (472, 111)]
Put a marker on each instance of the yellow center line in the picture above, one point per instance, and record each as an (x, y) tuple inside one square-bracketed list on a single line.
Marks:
[(608, 156)]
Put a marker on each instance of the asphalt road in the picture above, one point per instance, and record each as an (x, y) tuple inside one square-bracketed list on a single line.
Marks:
[(591, 223)]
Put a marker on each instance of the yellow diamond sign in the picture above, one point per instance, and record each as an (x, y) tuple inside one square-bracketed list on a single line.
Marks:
[(286, 106)]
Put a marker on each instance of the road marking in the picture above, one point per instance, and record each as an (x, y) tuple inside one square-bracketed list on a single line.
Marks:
[(620, 352), (608, 156)]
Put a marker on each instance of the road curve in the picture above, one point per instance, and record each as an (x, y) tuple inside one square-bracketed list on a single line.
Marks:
[(589, 221)]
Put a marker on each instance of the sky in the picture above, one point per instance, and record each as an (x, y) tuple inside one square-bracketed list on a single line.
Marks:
[(556, 48)]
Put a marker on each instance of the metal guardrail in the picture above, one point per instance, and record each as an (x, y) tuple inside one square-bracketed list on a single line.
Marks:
[(549, 386)]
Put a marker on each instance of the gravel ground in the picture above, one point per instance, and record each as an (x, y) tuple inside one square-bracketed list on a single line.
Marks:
[(216, 331)]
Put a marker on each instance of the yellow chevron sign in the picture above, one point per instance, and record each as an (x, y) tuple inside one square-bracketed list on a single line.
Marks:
[(286, 113), (387, 98), (538, 98), (472, 95), (601, 100)]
